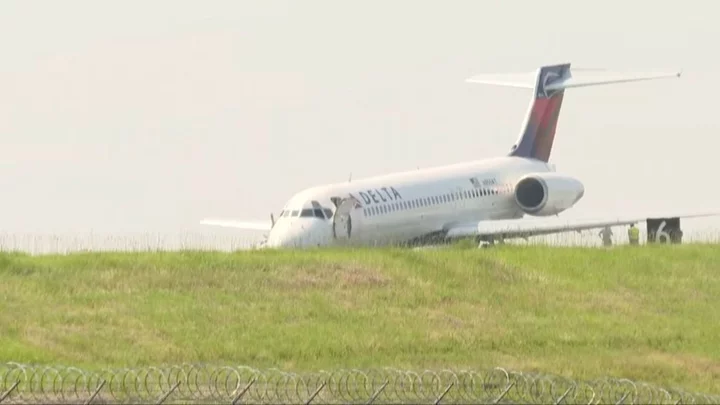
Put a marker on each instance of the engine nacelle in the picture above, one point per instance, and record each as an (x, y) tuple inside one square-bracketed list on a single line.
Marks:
[(544, 194)]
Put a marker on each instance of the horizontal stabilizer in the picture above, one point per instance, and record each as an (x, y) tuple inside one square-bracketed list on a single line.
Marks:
[(231, 223), (571, 79), (549, 82)]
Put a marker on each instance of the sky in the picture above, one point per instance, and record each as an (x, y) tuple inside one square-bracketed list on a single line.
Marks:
[(149, 116)]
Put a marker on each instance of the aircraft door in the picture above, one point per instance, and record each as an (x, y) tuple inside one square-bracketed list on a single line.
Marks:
[(342, 220)]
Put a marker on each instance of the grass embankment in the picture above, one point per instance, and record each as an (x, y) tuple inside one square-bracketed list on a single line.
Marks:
[(648, 313)]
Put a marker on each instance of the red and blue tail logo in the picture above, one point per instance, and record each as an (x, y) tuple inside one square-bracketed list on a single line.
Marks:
[(538, 132)]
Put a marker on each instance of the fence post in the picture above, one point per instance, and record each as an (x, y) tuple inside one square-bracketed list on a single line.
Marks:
[(317, 391), (244, 390), (377, 393), (167, 394), (505, 391), (97, 391), (437, 401), (7, 394)]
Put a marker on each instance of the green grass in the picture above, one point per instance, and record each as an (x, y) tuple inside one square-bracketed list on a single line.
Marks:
[(646, 313)]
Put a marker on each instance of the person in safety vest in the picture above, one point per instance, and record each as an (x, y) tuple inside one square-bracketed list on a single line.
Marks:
[(634, 235)]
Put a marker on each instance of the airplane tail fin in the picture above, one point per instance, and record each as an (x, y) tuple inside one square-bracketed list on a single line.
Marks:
[(549, 83)]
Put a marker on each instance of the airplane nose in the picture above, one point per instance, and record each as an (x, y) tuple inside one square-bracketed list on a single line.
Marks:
[(299, 234)]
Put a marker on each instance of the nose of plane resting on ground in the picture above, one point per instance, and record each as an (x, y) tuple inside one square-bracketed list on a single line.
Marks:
[(300, 232)]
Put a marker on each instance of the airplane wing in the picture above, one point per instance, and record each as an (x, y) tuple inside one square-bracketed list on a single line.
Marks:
[(231, 223), (524, 228)]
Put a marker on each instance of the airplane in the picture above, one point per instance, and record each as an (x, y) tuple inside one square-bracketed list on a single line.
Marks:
[(485, 199)]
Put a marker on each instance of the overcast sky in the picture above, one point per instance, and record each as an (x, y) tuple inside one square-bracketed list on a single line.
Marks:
[(150, 115)]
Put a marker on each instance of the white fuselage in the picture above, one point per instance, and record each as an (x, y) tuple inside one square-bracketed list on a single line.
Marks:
[(403, 207)]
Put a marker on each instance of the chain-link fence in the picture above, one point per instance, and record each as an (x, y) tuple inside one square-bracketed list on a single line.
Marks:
[(37, 244), (239, 384)]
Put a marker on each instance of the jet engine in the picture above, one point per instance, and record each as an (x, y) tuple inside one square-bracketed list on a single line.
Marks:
[(545, 194)]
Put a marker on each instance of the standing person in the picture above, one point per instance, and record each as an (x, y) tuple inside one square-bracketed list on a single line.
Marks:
[(634, 235), (606, 235)]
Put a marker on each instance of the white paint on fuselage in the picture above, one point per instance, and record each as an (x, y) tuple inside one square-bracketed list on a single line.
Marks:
[(429, 199)]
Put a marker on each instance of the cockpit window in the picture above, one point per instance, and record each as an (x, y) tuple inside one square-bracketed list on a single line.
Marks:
[(316, 210)]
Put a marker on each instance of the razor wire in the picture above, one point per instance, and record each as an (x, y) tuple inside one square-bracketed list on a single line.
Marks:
[(193, 383)]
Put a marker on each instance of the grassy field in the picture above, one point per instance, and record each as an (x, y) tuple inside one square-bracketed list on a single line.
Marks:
[(648, 313)]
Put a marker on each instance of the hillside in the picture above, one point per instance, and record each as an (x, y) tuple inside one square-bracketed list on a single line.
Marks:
[(648, 313)]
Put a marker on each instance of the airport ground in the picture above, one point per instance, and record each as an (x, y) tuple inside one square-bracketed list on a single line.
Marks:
[(646, 313)]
